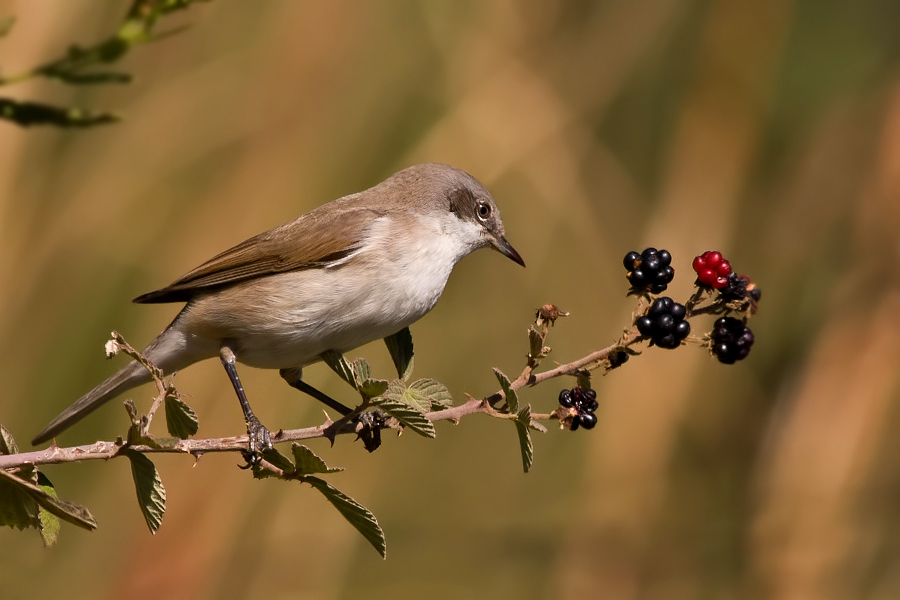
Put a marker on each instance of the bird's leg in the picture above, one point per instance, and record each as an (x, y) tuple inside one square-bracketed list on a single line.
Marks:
[(260, 440), (372, 421), (293, 377)]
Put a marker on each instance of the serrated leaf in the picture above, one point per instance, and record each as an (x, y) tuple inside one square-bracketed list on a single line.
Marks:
[(65, 510), (408, 415), (340, 365), (400, 345), (523, 421), (373, 387), (361, 371), (49, 521), (432, 393), (512, 399), (308, 462), (536, 343), (151, 493), (132, 411), (399, 392), (262, 473), (7, 442), (181, 420), (279, 460), (583, 379), (356, 514)]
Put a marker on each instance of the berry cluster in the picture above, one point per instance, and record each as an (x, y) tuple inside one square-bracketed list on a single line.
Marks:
[(649, 268), (584, 402), (664, 323), (731, 340), (712, 270)]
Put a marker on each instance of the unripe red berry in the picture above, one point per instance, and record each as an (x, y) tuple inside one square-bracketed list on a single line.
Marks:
[(724, 268), (712, 258), (706, 276)]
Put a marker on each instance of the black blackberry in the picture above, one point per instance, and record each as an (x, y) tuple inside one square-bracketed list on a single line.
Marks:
[(731, 340), (664, 323), (587, 420), (584, 401), (651, 268)]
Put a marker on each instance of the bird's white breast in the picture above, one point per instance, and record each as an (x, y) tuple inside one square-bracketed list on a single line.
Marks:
[(289, 319)]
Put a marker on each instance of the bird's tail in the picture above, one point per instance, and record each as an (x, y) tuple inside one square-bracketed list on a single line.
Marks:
[(171, 352), (132, 375)]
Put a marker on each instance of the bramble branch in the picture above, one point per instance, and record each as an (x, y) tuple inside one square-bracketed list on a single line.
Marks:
[(398, 404)]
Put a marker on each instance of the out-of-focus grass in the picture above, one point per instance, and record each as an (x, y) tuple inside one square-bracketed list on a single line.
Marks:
[(768, 130)]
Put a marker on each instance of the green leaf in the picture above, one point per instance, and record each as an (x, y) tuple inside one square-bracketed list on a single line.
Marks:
[(430, 393), (355, 513), (398, 391), (408, 415), (361, 371), (17, 508), (583, 379), (27, 114), (523, 421), (536, 345), (373, 387), (181, 420), (49, 521), (151, 493), (7, 442), (279, 460), (400, 345), (65, 510), (340, 365), (308, 462), (512, 399), (263, 473)]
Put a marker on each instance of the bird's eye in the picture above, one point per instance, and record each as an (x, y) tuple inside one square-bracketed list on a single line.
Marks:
[(484, 210)]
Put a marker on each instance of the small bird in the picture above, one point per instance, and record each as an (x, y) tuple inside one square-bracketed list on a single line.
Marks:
[(357, 269)]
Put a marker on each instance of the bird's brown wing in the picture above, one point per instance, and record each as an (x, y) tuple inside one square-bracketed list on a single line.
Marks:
[(315, 240)]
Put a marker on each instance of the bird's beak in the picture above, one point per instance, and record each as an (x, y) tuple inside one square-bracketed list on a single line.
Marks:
[(500, 244)]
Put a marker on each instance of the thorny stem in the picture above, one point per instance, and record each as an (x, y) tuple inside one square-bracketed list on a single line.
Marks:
[(105, 450)]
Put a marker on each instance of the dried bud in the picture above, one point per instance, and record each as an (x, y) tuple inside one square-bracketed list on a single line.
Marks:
[(550, 313)]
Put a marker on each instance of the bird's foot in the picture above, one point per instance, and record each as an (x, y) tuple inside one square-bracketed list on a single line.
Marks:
[(260, 441), (370, 433)]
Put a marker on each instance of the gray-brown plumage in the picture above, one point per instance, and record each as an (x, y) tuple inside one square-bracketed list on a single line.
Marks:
[(351, 271)]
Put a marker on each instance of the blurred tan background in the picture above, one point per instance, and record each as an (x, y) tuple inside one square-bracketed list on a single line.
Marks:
[(769, 130)]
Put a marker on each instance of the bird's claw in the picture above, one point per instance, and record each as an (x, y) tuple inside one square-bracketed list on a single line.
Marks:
[(260, 441), (370, 433)]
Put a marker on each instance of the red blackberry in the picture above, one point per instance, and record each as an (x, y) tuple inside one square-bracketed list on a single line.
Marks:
[(664, 323), (731, 340), (649, 269), (712, 270)]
